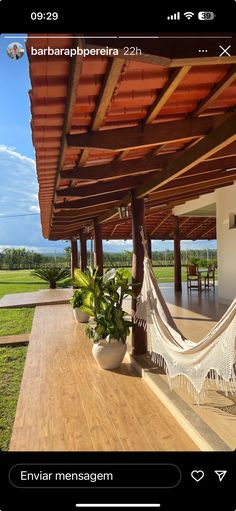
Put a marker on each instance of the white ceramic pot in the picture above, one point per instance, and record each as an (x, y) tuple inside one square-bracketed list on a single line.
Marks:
[(109, 355), (80, 316)]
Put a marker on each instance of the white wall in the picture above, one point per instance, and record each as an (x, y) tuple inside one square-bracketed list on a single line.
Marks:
[(226, 243), (202, 201)]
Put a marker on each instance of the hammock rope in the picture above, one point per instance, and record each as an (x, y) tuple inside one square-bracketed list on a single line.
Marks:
[(186, 362)]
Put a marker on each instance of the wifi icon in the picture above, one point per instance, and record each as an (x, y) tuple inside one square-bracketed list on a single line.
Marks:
[(188, 15)]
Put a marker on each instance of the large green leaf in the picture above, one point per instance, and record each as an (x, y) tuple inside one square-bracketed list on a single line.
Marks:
[(82, 280), (109, 275), (87, 298), (88, 310)]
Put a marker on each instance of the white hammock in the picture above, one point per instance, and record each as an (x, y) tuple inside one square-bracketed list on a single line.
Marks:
[(214, 355)]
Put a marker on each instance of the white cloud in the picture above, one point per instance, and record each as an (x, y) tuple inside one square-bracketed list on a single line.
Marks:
[(12, 153), (119, 242), (35, 209), (34, 196)]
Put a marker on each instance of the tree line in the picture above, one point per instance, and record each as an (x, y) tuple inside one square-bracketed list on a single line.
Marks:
[(20, 258)]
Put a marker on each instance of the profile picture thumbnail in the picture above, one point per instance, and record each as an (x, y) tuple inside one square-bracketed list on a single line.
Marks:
[(15, 51)]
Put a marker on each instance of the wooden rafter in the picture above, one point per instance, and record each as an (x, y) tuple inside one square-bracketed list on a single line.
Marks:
[(216, 140), (114, 229), (137, 167), (194, 184), (161, 223), (201, 222), (175, 79), (107, 90), (215, 92), (208, 230)]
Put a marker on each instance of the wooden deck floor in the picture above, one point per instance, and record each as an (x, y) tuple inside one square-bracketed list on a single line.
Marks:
[(67, 403), (42, 297)]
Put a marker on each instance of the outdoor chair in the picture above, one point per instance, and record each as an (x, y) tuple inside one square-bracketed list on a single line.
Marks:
[(209, 279), (193, 277)]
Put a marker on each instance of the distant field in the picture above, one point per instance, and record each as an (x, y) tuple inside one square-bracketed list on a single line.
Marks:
[(165, 274)]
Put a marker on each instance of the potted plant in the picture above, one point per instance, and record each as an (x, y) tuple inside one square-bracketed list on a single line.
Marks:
[(85, 284), (103, 301), (76, 302)]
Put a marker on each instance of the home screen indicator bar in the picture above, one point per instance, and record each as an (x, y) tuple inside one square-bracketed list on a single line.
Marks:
[(117, 505)]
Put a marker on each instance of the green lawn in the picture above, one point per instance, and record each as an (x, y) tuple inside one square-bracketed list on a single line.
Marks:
[(16, 321), (19, 281), (19, 321), (11, 368), (165, 274)]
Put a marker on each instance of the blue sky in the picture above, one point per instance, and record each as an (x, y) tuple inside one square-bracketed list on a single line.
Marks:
[(18, 193)]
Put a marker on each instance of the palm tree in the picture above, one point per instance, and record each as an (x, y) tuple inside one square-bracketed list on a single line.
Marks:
[(52, 275)]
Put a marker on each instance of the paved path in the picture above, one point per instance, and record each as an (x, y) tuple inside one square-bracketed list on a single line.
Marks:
[(42, 297)]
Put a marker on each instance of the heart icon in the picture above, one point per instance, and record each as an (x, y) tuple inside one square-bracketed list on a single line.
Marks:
[(197, 475)]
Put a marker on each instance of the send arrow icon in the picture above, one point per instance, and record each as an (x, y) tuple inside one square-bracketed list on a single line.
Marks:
[(221, 474)]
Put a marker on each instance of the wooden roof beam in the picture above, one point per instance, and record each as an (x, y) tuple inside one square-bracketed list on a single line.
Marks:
[(215, 92), (117, 169), (145, 136), (90, 201), (216, 140), (99, 188)]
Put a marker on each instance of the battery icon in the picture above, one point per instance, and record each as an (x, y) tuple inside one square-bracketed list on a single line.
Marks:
[(206, 15)]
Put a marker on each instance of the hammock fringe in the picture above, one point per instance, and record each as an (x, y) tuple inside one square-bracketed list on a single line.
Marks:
[(213, 379), (198, 367)]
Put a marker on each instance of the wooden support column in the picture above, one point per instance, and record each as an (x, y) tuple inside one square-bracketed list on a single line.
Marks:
[(149, 247), (98, 253), (177, 254), (74, 256), (139, 336), (91, 253), (83, 249)]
